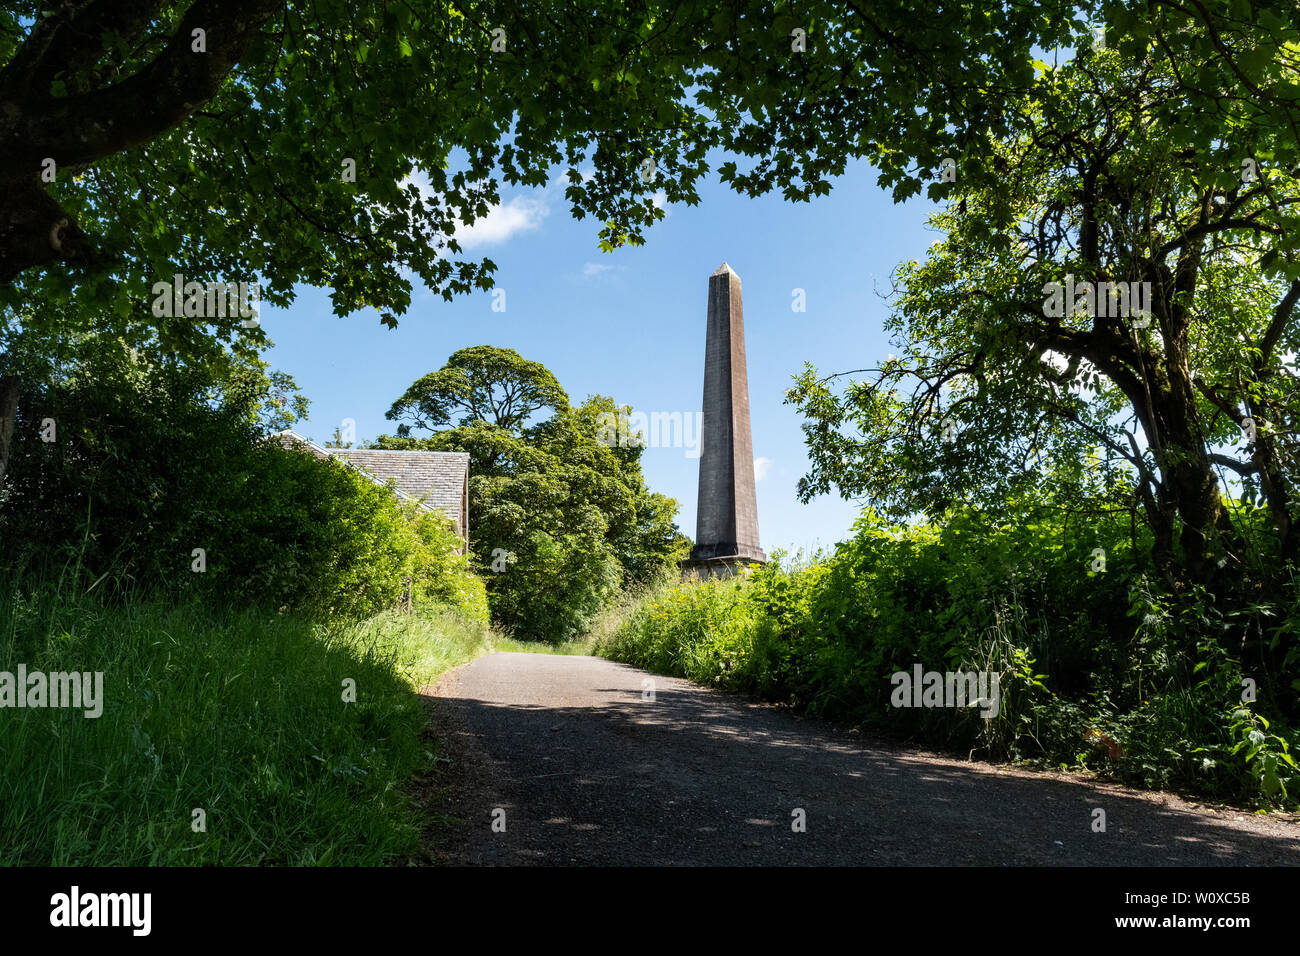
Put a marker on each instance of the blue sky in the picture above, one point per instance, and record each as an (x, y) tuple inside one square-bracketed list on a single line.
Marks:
[(631, 324)]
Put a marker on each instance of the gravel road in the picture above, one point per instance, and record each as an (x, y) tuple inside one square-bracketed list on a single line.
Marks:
[(590, 772)]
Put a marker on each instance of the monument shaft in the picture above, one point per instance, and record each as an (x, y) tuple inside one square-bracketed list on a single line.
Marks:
[(726, 531)]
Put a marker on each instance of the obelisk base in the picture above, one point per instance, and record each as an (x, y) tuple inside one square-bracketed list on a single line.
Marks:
[(703, 567)]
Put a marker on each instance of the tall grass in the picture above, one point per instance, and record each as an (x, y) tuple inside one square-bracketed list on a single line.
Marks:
[(240, 714), (615, 613), (503, 643)]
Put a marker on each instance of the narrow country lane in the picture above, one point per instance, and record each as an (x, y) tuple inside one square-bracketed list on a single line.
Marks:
[(589, 771)]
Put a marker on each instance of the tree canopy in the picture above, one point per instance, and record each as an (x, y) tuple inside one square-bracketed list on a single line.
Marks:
[(482, 383), (558, 518), (1113, 296), (345, 145), (241, 138)]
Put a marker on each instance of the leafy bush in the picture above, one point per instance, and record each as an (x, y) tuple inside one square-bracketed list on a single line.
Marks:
[(1095, 670), (154, 461)]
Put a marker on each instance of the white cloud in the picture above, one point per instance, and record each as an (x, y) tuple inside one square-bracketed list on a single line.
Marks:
[(561, 180), (516, 215), (761, 468), (504, 221), (592, 269)]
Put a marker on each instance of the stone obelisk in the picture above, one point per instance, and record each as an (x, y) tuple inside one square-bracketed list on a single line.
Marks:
[(726, 526)]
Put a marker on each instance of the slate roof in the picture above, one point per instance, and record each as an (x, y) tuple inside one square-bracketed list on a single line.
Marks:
[(435, 479)]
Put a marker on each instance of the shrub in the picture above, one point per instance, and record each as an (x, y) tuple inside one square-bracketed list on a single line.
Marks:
[(1095, 669), (158, 461)]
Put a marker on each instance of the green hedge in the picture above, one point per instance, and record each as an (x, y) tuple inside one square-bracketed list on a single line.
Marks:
[(155, 461), (1096, 669)]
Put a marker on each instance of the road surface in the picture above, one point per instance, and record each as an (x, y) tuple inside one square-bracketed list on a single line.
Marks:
[(560, 760)]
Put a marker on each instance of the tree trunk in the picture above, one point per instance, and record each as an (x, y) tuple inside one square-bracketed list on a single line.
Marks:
[(1189, 488), (36, 232), (1273, 485), (8, 418)]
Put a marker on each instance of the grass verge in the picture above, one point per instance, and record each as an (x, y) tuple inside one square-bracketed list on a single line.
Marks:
[(241, 716)]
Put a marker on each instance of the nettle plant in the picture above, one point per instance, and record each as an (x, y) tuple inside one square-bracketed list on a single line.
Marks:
[(1198, 713)]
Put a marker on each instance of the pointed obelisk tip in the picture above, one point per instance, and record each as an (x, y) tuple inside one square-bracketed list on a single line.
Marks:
[(723, 270)]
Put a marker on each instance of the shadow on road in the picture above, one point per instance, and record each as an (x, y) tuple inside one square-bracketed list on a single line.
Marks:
[(701, 777)]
